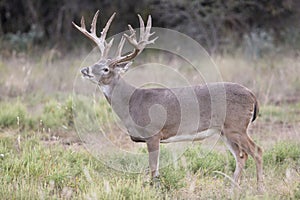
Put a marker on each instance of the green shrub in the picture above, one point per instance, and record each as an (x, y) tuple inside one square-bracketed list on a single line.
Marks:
[(57, 115), (53, 115), (13, 115), (281, 152)]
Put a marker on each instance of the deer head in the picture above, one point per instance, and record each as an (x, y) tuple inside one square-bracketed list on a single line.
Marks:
[(107, 68)]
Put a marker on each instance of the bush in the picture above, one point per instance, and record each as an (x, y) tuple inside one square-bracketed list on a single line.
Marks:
[(282, 152), (53, 115), (12, 115)]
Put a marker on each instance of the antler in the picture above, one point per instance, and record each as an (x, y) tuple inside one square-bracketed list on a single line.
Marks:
[(100, 41), (138, 45), (105, 47)]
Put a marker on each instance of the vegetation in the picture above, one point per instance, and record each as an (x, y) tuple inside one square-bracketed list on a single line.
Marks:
[(38, 169), (219, 26)]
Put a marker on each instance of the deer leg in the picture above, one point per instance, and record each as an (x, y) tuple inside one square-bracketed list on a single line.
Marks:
[(240, 164), (153, 150), (240, 157), (256, 152)]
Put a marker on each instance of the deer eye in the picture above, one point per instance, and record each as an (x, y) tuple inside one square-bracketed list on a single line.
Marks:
[(105, 70)]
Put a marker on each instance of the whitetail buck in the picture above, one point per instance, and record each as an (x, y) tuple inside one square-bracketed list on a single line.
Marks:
[(139, 109)]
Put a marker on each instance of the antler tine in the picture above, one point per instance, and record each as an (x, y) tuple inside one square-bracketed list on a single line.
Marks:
[(149, 25), (94, 23), (82, 23), (132, 32), (138, 45), (107, 48), (152, 41), (105, 29), (120, 47), (132, 37), (100, 41), (142, 26)]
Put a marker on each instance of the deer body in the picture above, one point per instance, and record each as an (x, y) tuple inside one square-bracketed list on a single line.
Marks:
[(164, 115), (140, 101)]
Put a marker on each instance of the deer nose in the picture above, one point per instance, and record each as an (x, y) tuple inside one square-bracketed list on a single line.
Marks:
[(85, 71)]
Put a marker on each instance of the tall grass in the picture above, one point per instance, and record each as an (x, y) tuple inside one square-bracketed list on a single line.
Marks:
[(53, 171)]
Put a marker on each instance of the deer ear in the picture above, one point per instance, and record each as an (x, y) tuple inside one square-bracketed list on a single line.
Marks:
[(123, 67)]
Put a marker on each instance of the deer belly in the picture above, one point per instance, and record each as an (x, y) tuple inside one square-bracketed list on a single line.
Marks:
[(198, 136)]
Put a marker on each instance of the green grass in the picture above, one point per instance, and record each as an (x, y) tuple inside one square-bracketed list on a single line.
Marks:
[(283, 152), (55, 172), (55, 114), (34, 168), (280, 113), (37, 169), (13, 115)]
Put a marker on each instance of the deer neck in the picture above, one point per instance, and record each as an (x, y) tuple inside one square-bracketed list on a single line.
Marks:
[(117, 89), (118, 93)]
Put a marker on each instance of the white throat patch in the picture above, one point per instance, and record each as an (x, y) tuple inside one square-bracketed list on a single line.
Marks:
[(106, 89)]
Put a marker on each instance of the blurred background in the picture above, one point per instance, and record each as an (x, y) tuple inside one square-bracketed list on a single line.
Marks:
[(220, 26), (260, 37)]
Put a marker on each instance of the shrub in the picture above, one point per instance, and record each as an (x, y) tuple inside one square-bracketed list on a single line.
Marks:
[(12, 115), (282, 152), (53, 115)]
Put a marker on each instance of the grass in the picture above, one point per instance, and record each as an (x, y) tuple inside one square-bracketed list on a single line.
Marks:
[(55, 114), (40, 170), (281, 113)]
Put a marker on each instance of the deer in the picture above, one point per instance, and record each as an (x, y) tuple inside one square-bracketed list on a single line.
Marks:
[(166, 115)]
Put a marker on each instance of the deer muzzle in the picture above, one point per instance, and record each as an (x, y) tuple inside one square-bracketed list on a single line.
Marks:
[(86, 72)]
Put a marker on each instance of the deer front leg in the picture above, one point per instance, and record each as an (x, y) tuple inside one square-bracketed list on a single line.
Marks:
[(153, 150)]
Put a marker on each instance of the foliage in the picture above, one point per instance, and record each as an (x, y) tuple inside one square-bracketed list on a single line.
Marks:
[(53, 115), (214, 24), (173, 179), (56, 115), (12, 115), (281, 153)]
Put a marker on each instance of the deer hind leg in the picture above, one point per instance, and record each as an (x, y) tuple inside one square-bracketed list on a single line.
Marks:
[(256, 152), (240, 157)]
